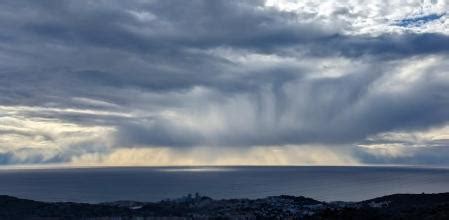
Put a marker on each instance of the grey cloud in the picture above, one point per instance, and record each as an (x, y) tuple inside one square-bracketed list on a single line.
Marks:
[(421, 156), (28, 156), (331, 111), (156, 132), (57, 52), (390, 46)]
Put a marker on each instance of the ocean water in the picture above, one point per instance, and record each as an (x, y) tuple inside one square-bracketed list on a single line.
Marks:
[(153, 184)]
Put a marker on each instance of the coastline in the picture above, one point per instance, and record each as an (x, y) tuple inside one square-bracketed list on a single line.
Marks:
[(396, 206)]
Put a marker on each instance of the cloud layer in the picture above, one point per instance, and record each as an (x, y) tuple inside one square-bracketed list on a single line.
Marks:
[(96, 82)]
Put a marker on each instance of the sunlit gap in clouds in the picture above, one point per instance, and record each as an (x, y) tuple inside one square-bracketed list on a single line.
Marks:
[(197, 169), (215, 156)]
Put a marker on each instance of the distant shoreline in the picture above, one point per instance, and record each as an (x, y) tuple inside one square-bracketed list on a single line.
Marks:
[(396, 206), (153, 184), (73, 166)]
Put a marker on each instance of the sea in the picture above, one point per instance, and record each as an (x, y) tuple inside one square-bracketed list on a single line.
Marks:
[(325, 183)]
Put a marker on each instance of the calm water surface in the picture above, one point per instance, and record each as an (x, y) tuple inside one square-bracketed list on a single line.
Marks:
[(153, 184)]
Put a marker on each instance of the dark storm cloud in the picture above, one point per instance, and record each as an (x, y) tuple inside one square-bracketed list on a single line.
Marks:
[(386, 46), (171, 26), (156, 132), (431, 155), (145, 57)]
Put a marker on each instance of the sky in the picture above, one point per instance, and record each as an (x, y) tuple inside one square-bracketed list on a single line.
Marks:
[(224, 82)]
